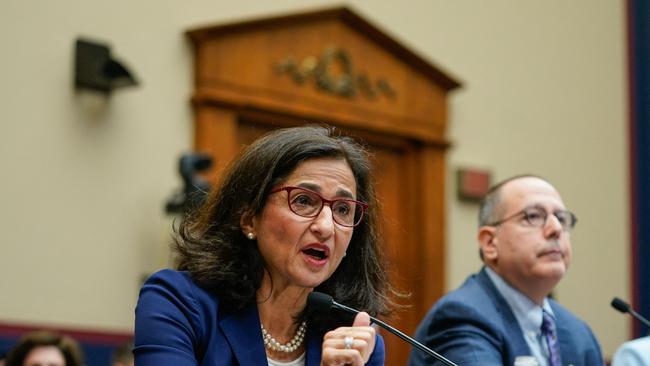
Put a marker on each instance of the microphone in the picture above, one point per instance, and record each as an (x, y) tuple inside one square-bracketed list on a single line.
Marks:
[(624, 307), (319, 301)]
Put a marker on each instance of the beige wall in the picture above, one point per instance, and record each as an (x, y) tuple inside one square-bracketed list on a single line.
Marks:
[(84, 179)]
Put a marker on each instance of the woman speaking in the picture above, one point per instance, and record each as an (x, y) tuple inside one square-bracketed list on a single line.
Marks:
[(295, 213)]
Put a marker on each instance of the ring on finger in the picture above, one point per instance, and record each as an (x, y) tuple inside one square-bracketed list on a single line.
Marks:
[(348, 342)]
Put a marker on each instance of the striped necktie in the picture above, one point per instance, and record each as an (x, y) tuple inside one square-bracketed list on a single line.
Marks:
[(549, 332)]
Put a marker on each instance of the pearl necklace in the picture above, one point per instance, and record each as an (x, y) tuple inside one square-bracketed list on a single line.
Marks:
[(295, 342)]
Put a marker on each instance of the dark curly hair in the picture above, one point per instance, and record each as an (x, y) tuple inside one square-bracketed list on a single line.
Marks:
[(213, 249), (68, 347)]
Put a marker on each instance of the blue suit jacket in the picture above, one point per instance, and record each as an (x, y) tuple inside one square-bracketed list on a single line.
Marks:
[(179, 323), (474, 325)]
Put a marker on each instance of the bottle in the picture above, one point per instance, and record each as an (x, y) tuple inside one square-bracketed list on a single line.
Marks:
[(526, 361)]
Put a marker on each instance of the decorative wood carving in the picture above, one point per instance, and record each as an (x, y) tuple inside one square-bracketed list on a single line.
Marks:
[(344, 83), (332, 66)]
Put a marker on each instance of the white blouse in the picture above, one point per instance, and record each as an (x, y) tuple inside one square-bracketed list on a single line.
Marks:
[(300, 361)]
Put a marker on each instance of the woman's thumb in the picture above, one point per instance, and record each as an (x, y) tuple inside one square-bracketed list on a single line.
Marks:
[(361, 320)]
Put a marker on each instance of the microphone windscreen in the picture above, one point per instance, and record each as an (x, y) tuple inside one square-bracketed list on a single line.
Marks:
[(318, 301), (620, 305)]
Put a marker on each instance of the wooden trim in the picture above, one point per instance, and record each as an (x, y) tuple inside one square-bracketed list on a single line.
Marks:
[(216, 124), (93, 336), (633, 153), (396, 126), (432, 212), (348, 17)]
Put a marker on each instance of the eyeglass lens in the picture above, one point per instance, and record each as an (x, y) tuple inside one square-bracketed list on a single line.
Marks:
[(309, 204), (538, 216)]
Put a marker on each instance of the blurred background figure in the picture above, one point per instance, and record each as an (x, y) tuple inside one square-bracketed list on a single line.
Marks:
[(633, 353), (123, 355), (45, 348)]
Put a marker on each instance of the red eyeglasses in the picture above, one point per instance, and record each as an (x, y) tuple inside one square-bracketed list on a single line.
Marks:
[(307, 203)]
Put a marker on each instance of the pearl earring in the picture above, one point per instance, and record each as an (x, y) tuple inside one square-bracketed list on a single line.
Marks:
[(250, 236)]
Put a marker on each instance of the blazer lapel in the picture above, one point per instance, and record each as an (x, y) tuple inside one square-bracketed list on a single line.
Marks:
[(511, 325), (242, 329), (314, 349)]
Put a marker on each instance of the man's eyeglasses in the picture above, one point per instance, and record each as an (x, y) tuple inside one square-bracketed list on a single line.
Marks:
[(536, 216), (307, 203)]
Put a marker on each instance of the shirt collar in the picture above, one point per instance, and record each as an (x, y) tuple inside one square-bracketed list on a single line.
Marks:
[(528, 314)]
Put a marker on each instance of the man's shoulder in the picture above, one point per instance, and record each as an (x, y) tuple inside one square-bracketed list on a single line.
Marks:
[(470, 325), (474, 290), (472, 296)]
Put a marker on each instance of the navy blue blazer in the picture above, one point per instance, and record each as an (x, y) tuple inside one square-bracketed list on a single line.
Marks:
[(179, 323), (474, 325)]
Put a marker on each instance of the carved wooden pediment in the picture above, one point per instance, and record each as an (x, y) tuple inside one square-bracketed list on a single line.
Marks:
[(328, 64)]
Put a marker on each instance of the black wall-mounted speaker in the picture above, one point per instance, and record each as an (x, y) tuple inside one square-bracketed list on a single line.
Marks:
[(95, 69)]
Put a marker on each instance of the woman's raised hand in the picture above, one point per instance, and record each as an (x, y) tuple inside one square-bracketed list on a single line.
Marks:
[(349, 345)]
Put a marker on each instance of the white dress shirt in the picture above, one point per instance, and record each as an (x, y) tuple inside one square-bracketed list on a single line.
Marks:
[(633, 353)]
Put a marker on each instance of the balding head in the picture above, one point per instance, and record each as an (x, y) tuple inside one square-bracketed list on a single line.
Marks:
[(524, 234), (491, 209)]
